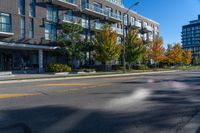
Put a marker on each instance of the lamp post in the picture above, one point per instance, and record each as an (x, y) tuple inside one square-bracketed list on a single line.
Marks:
[(123, 28)]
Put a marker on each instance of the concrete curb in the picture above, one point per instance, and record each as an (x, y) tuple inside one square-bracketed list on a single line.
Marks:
[(83, 77), (193, 126)]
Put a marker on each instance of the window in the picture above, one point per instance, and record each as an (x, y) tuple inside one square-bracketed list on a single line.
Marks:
[(68, 16), (85, 21), (52, 13), (32, 8), (126, 19), (118, 2), (5, 22), (50, 31), (31, 28), (22, 28), (21, 7)]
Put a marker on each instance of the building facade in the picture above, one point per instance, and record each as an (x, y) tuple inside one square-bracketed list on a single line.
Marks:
[(191, 37), (28, 28)]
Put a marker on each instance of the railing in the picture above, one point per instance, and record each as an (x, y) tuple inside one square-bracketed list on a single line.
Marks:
[(149, 28), (5, 27), (118, 30), (69, 1), (94, 8), (138, 24), (115, 16), (69, 18), (97, 25)]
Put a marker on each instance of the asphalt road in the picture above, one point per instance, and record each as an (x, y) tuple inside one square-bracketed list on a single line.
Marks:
[(155, 103)]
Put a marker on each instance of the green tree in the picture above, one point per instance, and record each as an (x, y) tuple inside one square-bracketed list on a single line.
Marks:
[(134, 47), (197, 60), (106, 45), (70, 43)]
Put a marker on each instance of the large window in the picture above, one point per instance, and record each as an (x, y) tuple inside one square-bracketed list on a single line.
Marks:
[(52, 13), (22, 28), (31, 28), (85, 21), (21, 7), (5, 22), (50, 31), (32, 8), (68, 16)]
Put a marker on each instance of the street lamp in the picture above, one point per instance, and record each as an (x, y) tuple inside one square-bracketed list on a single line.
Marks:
[(123, 22)]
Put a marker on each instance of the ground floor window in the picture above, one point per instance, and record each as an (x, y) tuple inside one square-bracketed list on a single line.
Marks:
[(18, 60)]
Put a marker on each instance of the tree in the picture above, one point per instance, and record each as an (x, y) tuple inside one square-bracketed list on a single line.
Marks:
[(106, 45), (134, 47), (147, 52), (156, 50), (197, 60), (175, 54), (69, 42), (187, 57)]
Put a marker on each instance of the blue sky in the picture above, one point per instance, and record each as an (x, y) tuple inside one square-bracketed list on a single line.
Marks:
[(171, 14)]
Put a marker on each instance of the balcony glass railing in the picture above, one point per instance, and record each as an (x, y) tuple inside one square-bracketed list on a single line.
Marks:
[(149, 28), (95, 8), (72, 19), (5, 27), (98, 26), (115, 16), (138, 24), (118, 30), (69, 1)]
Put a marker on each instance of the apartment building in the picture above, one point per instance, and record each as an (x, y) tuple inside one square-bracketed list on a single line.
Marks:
[(28, 28), (191, 37)]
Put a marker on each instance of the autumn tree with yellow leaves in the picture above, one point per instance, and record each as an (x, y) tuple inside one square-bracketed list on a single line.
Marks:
[(187, 57), (175, 54), (106, 45), (156, 50)]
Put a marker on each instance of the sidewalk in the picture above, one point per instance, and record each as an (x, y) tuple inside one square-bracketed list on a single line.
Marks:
[(48, 77)]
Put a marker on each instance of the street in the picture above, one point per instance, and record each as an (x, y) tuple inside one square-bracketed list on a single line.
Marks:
[(154, 103)]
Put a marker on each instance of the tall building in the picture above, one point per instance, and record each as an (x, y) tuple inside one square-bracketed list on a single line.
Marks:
[(191, 37), (28, 28)]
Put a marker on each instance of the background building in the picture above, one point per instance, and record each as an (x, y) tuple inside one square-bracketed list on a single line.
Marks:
[(191, 37), (28, 28)]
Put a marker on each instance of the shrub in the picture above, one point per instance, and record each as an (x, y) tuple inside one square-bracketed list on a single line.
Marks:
[(57, 68), (117, 67), (140, 67)]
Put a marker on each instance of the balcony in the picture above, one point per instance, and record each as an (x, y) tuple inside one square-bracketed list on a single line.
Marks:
[(5, 30), (93, 10), (96, 26), (136, 25), (71, 19), (147, 29), (119, 31), (65, 4), (114, 17)]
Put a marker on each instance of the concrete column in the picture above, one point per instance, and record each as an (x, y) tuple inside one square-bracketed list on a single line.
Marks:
[(40, 59)]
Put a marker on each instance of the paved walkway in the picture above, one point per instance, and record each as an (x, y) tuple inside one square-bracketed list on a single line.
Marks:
[(40, 77)]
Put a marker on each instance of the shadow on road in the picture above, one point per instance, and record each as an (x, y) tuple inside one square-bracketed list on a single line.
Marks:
[(163, 111)]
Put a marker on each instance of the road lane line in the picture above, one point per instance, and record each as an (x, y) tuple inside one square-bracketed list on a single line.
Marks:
[(62, 84), (15, 95)]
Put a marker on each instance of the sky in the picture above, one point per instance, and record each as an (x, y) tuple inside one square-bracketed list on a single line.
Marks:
[(171, 14)]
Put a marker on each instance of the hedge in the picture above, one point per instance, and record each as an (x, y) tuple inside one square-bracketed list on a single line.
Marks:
[(57, 68)]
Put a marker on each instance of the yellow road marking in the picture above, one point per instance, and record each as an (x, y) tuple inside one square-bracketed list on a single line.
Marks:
[(79, 89), (119, 78), (15, 95), (53, 85)]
